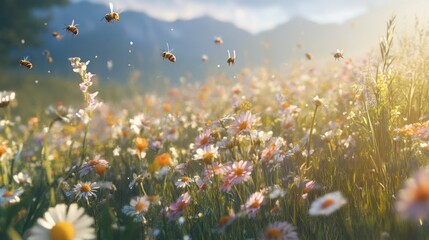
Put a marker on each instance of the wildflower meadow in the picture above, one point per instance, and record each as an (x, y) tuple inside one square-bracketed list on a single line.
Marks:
[(332, 151)]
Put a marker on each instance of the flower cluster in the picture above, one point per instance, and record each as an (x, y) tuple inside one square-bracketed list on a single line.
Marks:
[(80, 67)]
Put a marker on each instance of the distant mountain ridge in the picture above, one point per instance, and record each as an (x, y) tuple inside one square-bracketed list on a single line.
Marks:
[(136, 41)]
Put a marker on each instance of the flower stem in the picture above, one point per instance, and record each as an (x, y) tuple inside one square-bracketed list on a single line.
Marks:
[(310, 136)]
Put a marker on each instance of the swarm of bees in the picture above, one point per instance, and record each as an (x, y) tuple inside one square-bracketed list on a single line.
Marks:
[(25, 63), (218, 40), (338, 54), (166, 54), (112, 16), (72, 28), (231, 59), (57, 35)]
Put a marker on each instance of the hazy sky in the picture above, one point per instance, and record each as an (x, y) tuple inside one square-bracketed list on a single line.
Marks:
[(253, 15)]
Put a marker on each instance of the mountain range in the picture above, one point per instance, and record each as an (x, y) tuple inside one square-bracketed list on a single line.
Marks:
[(137, 41)]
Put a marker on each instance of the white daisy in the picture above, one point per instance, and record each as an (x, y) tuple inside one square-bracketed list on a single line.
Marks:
[(5, 98), (22, 179), (137, 179), (280, 231), (60, 224), (183, 182), (84, 190), (138, 123), (243, 123), (138, 206), (7, 196), (207, 153), (327, 204), (413, 199)]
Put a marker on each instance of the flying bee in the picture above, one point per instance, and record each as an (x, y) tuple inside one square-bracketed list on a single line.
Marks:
[(309, 56), (46, 52), (72, 28), (112, 15), (168, 55), (218, 40), (25, 63), (49, 59), (231, 60), (204, 58), (338, 54), (57, 35)]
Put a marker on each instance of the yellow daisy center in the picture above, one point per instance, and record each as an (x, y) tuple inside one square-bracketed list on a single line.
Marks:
[(100, 169), (238, 171), (186, 179), (62, 231), (85, 188), (273, 233), (421, 193), (327, 203), (204, 140), (7, 194), (181, 206), (255, 204), (140, 206), (208, 155), (224, 220), (306, 190), (242, 125)]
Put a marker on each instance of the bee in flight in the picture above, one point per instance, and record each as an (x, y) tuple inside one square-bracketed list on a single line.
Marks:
[(309, 56), (230, 60), (57, 35), (25, 63), (218, 40), (166, 54), (47, 53), (112, 16), (72, 28), (204, 58), (338, 54)]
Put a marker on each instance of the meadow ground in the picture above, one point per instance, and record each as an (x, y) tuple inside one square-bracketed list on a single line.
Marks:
[(330, 152)]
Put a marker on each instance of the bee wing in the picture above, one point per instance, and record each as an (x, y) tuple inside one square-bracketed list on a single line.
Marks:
[(72, 22), (229, 54), (234, 53), (111, 7), (168, 48)]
